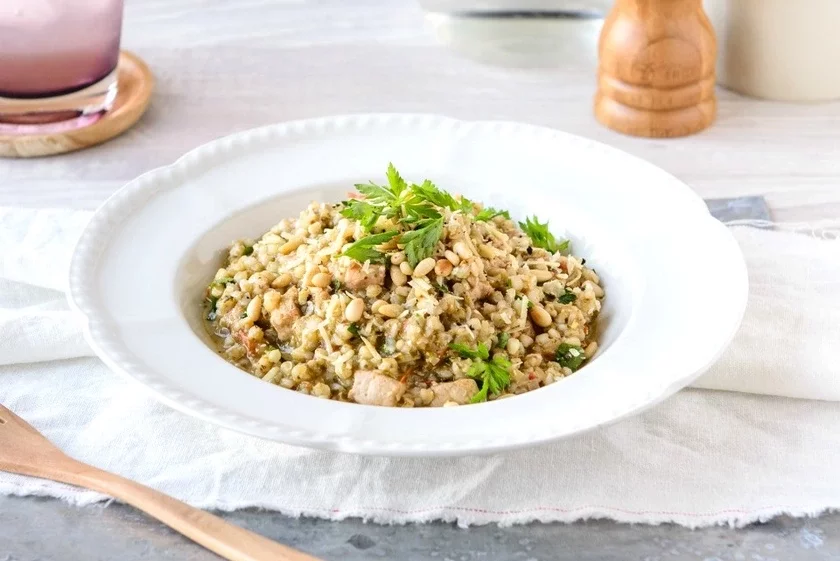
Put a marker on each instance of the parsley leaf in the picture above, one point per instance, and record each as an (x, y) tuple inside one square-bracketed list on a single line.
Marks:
[(480, 353), (567, 297), (361, 211), (494, 375), (365, 248), (503, 340), (541, 236), (429, 192), (570, 356), (353, 328), (396, 181), (421, 243), (489, 213)]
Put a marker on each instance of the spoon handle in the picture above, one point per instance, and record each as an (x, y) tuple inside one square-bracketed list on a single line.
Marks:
[(225, 539)]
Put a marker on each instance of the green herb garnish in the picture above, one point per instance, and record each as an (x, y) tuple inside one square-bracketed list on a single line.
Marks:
[(421, 243), (336, 285), (541, 237), (503, 340), (222, 281), (365, 248), (567, 297), (494, 374), (490, 213), (569, 356), (353, 328), (249, 249)]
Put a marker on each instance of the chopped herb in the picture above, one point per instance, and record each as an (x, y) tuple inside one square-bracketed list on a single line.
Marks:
[(222, 281), (503, 340), (211, 307), (244, 315), (336, 285), (429, 192), (353, 328), (508, 283), (443, 288), (541, 237), (421, 243), (570, 356), (490, 213), (530, 304), (249, 249), (364, 249), (567, 297), (363, 212), (494, 374)]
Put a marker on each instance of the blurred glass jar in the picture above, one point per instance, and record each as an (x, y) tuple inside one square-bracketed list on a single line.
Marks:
[(778, 49), (520, 33)]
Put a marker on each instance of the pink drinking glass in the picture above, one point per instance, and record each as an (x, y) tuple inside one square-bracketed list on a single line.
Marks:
[(58, 61)]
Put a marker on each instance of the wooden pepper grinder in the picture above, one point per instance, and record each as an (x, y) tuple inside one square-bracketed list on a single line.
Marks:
[(656, 70)]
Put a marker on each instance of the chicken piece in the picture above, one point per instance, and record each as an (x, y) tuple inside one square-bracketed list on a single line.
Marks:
[(356, 278), (460, 391), (480, 290), (284, 316), (372, 388)]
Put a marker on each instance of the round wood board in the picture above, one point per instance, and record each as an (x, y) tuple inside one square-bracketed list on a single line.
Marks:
[(135, 91)]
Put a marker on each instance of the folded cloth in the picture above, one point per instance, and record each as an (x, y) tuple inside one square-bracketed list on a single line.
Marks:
[(701, 457)]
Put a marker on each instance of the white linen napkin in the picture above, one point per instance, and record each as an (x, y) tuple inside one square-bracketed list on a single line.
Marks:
[(702, 457)]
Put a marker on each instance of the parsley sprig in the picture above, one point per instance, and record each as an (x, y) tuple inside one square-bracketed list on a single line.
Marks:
[(365, 248), (541, 236), (416, 207), (570, 356), (494, 374)]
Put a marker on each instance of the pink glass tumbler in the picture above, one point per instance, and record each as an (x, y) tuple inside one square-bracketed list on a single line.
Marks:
[(58, 61)]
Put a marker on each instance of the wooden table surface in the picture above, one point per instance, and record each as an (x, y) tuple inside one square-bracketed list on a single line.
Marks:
[(227, 66)]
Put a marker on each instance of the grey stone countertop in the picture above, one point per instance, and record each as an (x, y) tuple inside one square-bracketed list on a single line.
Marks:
[(50, 530)]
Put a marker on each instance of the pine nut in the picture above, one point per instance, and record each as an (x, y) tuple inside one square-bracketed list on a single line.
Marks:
[(397, 258), (406, 268), (321, 280), (452, 257), (397, 276), (542, 276), (354, 310), (290, 246), (591, 349), (390, 310), (443, 267), (282, 281), (540, 316), (254, 309), (376, 305), (424, 267), (462, 250)]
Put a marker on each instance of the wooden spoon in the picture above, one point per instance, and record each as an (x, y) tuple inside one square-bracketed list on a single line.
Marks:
[(25, 451)]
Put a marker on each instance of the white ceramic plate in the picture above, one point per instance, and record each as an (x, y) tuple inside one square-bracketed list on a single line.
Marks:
[(675, 279)]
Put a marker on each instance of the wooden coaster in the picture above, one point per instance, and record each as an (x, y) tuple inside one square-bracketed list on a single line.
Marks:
[(135, 85)]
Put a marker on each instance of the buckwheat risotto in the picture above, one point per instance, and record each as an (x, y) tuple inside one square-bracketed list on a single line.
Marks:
[(405, 295)]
